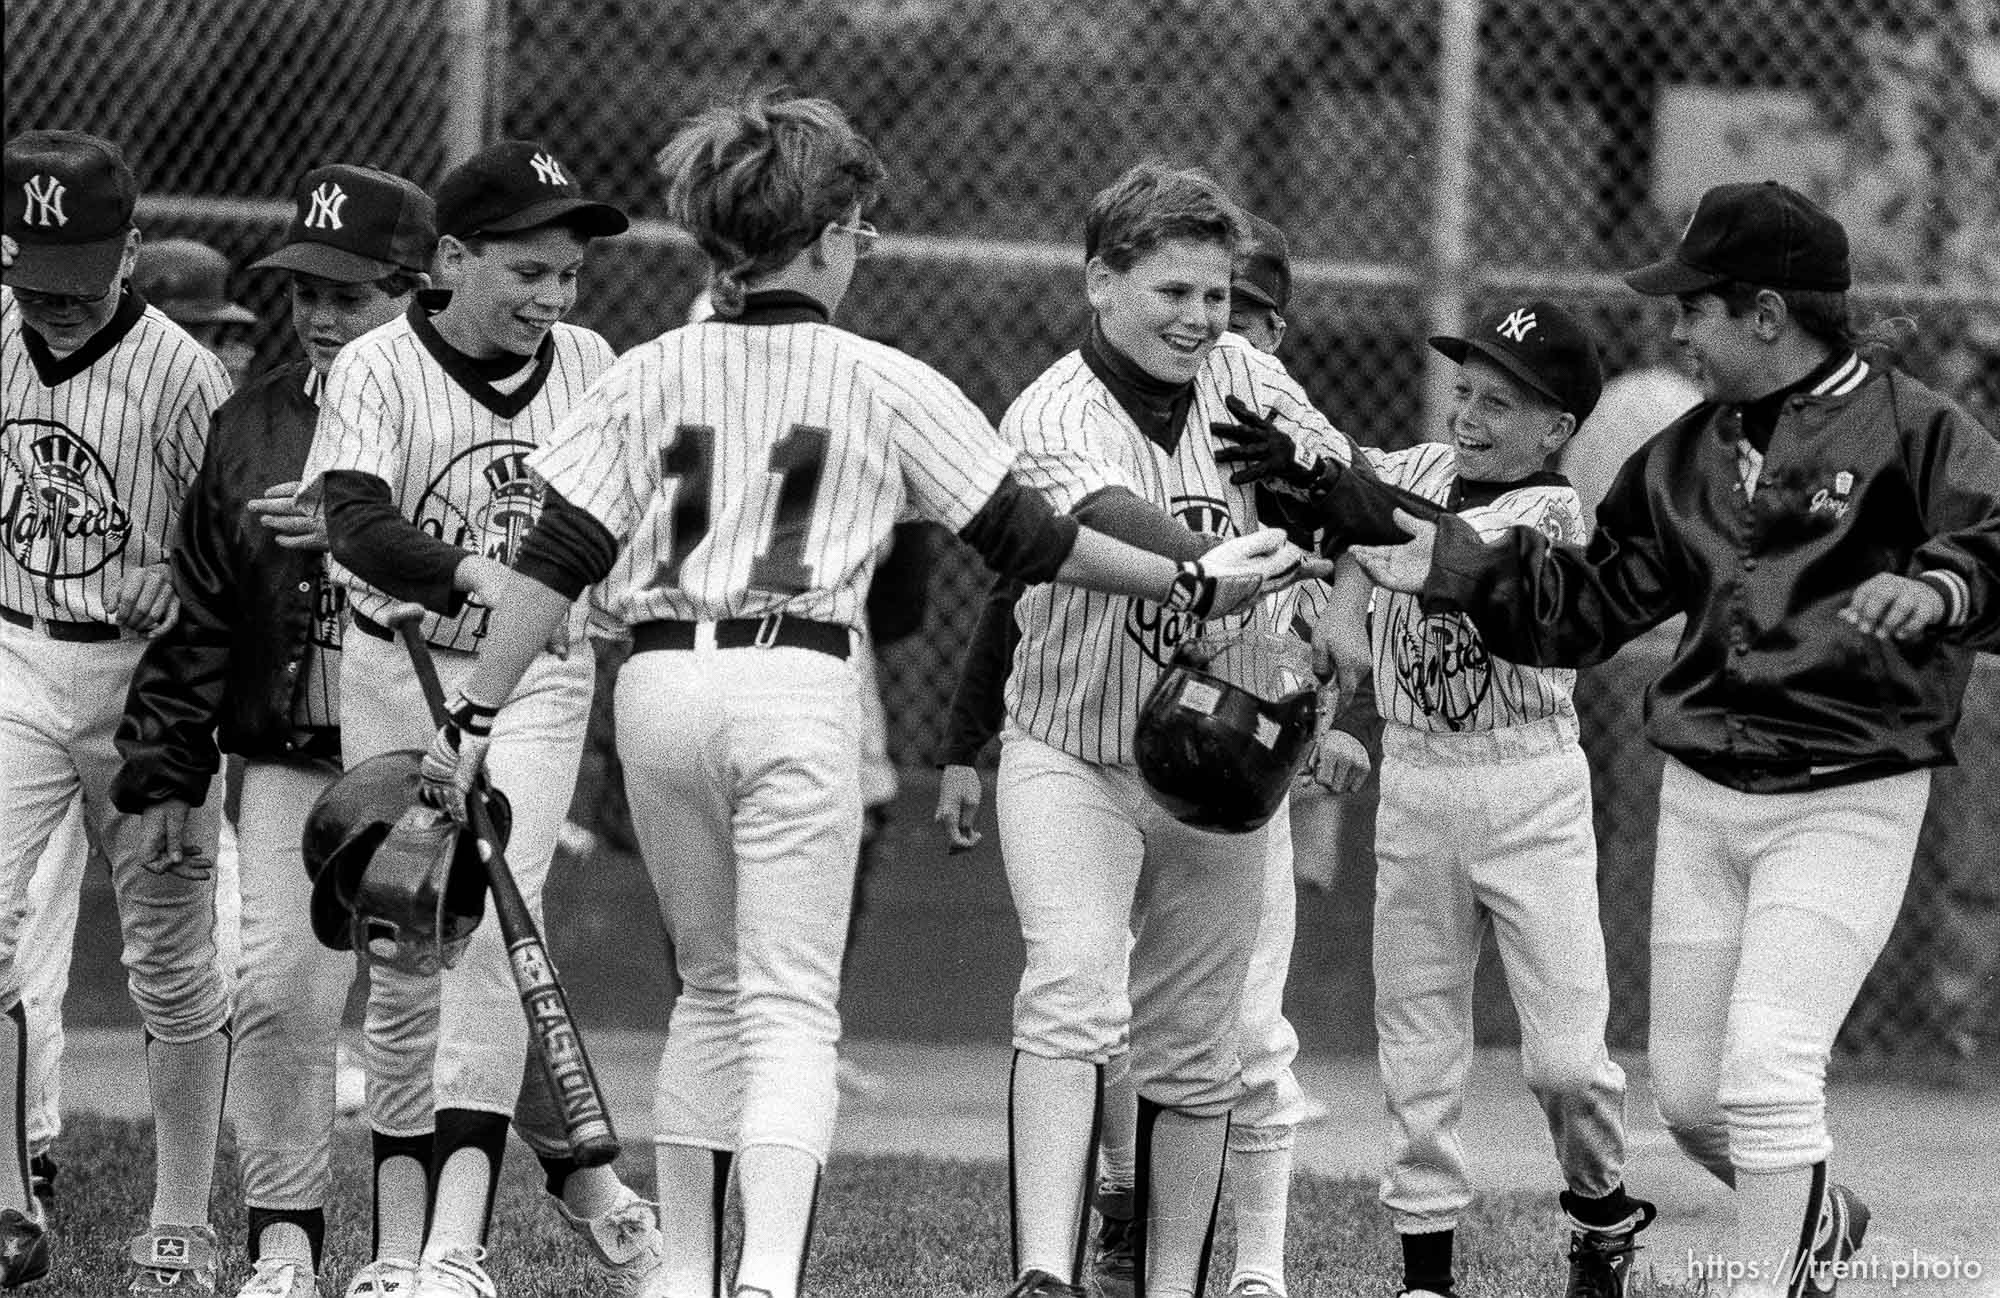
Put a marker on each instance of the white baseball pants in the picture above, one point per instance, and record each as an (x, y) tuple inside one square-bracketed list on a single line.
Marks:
[(1490, 827)]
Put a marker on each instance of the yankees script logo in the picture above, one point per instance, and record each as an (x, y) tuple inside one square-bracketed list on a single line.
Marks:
[(45, 197), (327, 200), (60, 516), (1440, 662), (1156, 630)]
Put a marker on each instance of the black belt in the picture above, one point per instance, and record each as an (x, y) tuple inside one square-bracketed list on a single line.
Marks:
[(79, 632), (1796, 776), (774, 632)]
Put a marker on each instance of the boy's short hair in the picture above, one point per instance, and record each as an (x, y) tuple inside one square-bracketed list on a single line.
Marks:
[(1153, 203), (1822, 313), (755, 181)]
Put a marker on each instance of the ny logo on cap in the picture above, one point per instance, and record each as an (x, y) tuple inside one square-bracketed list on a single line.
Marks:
[(327, 200), (548, 170), (1518, 324), (45, 197)]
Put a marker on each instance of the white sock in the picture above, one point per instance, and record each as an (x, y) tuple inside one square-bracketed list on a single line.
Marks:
[(286, 1239), (1118, 1149), (777, 1185), (1050, 1109), (459, 1217), (688, 1210), (1771, 1208), (14, 1183), (1184, 1170), (1260, 1189), (186, 1080)]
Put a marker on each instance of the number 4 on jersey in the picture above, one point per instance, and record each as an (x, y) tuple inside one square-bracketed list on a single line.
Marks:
[(797, 458)]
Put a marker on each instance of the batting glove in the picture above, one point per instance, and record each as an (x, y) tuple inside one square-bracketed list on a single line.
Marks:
[(457, 754), (1234, 574), (1267, 453)]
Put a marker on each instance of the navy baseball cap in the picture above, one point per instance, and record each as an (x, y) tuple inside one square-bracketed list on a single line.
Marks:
[(189, 281), (1540, 344), (354, 225), (1264, 267), (518, 185), (69, 201), (1758, 232)]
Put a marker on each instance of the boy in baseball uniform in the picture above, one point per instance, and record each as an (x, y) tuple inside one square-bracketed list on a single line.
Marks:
[(1485, 821), (1831, 529), (252, 668), (735, 480), (106, 408), (420, 461)]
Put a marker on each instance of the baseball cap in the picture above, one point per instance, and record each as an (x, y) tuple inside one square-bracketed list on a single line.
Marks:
[(1755, 232), (1264, 267), (1540, 344), (518, 185), (353, 225), (69, 200), (188, 280)]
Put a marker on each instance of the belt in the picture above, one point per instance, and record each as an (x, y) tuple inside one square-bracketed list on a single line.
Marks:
[(80, 632), (369, 626), (775, 631)]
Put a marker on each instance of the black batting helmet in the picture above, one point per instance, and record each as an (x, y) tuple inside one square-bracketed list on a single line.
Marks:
[(1226, 728), (392, 878)]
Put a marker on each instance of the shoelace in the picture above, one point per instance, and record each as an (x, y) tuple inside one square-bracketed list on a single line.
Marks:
[(274, 1275), (630, 1221), (463, 1263)]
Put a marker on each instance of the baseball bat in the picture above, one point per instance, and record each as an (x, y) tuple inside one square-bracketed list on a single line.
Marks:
[(557, 1041)]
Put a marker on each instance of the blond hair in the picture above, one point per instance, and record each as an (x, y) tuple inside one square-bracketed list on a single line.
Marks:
[(755, 182)]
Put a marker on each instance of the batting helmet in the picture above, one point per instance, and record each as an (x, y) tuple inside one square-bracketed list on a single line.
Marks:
[(1226, 728), (396, 880)]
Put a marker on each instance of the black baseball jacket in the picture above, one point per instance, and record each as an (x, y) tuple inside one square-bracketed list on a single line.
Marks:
[(1867, 471), (228, 670)]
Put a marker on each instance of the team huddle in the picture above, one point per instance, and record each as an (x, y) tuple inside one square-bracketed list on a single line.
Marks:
[(370, 576)]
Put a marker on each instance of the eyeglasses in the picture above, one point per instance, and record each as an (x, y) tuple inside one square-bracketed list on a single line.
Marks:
[(865, 236), (58, 301)]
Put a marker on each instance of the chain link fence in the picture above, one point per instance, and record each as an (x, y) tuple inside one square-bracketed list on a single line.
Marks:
[(1423, 158)]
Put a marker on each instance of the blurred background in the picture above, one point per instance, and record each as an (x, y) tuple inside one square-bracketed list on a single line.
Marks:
[(1425, 158)]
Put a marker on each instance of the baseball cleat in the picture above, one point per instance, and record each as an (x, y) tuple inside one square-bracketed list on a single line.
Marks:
[(386, 1277), (1255, 1289), (1040, 1284), (280, 1277), (456, 1274), (624, 1240), (1600, 1261), (1843, 1223), (180, 1261), (1114, 1264), (42, 1180), (24, 1250)]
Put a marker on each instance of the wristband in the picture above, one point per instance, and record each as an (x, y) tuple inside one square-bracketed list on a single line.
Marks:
[(1192, 590), (472, 717)]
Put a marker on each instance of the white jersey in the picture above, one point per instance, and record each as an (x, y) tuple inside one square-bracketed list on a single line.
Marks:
[(1432, 672), (453, 447), (758, 468), (1086, 661), (96, 454)]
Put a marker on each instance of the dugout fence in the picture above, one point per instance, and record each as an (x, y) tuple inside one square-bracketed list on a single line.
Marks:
[(1425, 159)]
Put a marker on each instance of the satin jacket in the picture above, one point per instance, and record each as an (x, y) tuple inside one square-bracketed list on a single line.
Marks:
[(227, 673), (1769, 690)]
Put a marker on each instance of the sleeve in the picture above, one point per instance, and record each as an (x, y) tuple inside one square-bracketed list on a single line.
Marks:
[(185, 427), (1122, 516), (1019, 536), (951, 458), (1547, 604), (1064, 448), (167, 735), (1955, 466), (372, 539), (361, 424), (566, 550), (597, 459), (979, 701), (1280, 396), (900, 592)]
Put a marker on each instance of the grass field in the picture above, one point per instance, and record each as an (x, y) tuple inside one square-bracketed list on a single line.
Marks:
[(902, 1226)]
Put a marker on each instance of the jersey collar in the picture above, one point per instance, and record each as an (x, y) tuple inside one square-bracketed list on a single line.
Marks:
[(780, 306), (53, 370), (474, 374)]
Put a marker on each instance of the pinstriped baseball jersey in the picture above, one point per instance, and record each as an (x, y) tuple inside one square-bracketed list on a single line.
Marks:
[(1086, 661), (1432, 672), (96, 454), (752, 469), (452, 448)]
